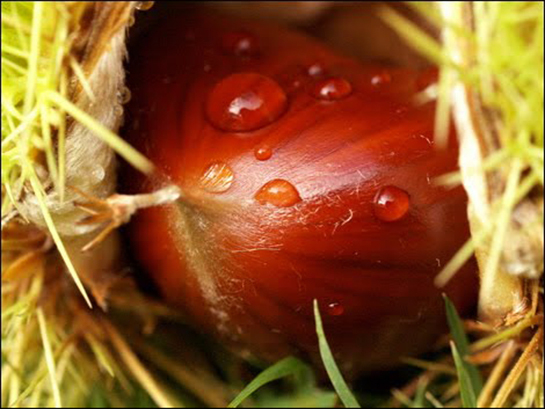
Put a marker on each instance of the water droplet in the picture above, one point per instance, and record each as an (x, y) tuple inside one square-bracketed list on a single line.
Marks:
[(98, 174), (118, 110), (207, 67), (245, 102), (332, 89), (391, 204), (124, 95), (263, 152), (144, 5), (382, 78), (217, 178), (241, 43), (278, 192), (401, 109), (315, 70), (335, 309), (426, 78)]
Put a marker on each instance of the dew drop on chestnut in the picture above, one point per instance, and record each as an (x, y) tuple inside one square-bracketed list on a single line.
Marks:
[(315, 70), (391, 204), (332, 89), (245, 102), (278, 192), (263, 152), (382, 78), (240, 43), (335, 309), (217, 178)]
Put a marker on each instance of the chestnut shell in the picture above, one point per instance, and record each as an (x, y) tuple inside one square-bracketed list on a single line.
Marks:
[(247, 270)]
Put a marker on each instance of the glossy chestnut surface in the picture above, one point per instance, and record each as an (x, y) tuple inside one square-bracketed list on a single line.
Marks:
[(305, 175)]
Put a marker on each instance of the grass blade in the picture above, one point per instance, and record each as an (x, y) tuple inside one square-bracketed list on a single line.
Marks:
[(462, 345), (333, 372), (420, 395), (467, 392), (281, 369), (48, 352)]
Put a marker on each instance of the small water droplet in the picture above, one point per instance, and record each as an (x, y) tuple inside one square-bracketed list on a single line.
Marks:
[(401, 109), (332, 89), (144, 5), (124, 95), (98, 174), (382, 78), (335, 309), (296, 84), (241, 43), (278, 192), (245, 102), (263, 152), (207, 67), (118, 110), (217, 178), (391, 204), (315, 70)]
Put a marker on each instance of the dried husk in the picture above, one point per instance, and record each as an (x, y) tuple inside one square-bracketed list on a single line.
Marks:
[(503, 294)]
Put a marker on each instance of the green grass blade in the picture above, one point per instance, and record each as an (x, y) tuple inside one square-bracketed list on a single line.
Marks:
[(420, 395), (462, 345), (467, 392), (333, 372), (48, 352), (281, 369)]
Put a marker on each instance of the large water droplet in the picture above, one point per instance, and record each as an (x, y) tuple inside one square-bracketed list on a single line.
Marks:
[(263, 152), (335, 309), (241, 43), (332, 89), (278, 192), (217, 178), (245, 102), (391, 204)]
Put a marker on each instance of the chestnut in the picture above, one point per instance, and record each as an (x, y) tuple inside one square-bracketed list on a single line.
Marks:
[(303, 175)]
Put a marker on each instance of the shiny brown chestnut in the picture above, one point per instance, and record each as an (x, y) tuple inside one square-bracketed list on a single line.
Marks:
[(297, 184)]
